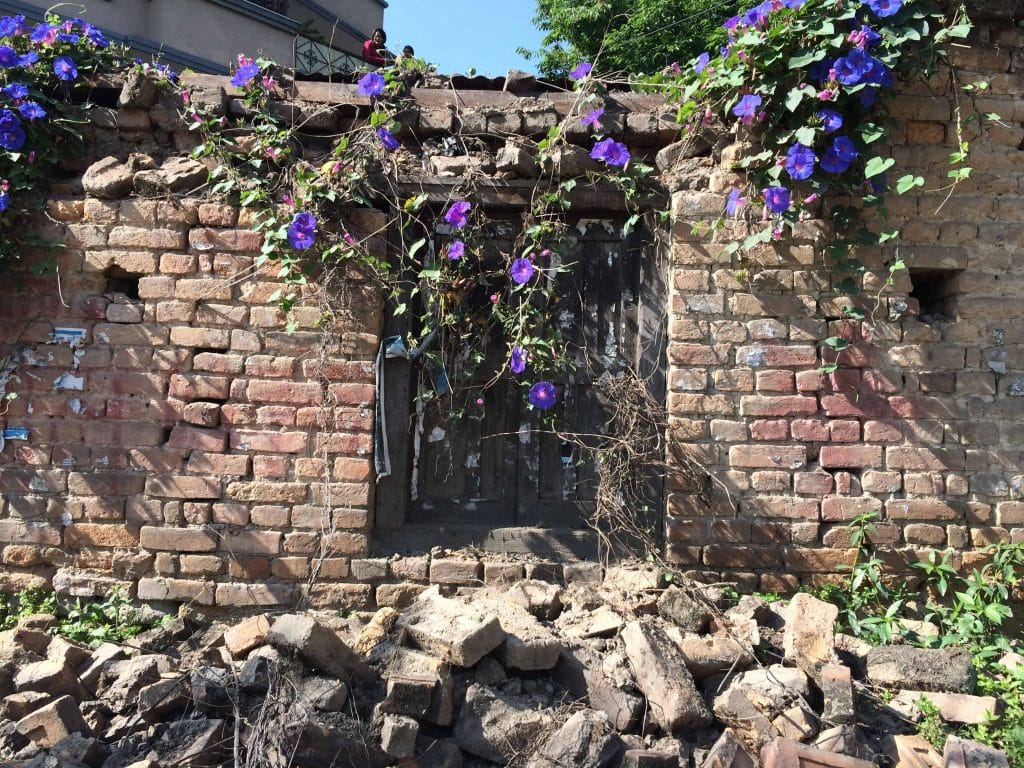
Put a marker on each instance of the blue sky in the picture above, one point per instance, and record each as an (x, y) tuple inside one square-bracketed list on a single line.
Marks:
[(458, 34)]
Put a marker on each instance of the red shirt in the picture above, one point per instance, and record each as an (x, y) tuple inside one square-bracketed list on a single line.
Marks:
[(370, 54)]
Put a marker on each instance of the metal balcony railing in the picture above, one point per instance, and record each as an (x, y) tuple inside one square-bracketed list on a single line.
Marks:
[(277, 6), (313, 58)]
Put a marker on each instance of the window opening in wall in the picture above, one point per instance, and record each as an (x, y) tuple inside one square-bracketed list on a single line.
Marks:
[(122, 285), (936, 291)]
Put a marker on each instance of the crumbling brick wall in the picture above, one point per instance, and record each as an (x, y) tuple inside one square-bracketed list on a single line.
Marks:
[(186, 444), (922, 424)]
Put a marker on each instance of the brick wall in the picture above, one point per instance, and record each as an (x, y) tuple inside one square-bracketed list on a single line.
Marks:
[(923, 423), (189, 448)]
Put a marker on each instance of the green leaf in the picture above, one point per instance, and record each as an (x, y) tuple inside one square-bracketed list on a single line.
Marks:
[(877, 166), (908, 182), (433, 273), (871, 132), (837, 343), (806, 135), (805, 59), (793, 99)]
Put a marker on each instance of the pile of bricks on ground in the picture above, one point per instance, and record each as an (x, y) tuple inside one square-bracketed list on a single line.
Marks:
[(526, 674)]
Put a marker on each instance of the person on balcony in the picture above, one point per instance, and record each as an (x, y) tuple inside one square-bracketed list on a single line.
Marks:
[(374, 50)]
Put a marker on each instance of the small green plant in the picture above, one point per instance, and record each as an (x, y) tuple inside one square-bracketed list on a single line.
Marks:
[(112, 619), (932, 728), (1007, 730)]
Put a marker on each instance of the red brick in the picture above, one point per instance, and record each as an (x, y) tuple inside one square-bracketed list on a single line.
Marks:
[(196, 438), (851, 456), (794, 405), (252, 542), (353, 371), (768, 429), (742, 556), (262, 490), (803, 560), (82, 535), (780, 506), (861, 405), (775, 381), (882, 432), (218, 464), (351, 394), (271, 467), (844, 431), (923, 509), (270, 516), (184, 487), (279, 415), (270, 367), (29, 532), (217, 215), (777, 356), (230, 513), (178, 539), (218, 363), (1010, 512), (808, 381), (284, 392), (813, 483), (233, 240), (148, 237), (101, 482), (847, 508), (784, 456), (698, 354), (199, 387), (807, 430), (127, 383), (274, 442), (935, 459), (210, 338), (249, 567)]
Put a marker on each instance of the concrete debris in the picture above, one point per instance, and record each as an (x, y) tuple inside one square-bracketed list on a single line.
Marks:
[(530, 674)]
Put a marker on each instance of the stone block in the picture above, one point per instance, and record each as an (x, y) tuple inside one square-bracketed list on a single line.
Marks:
[(809, 638), (247, 635), (419, 686), (456, 632), (783, 753), (320, 647), (49, 677), (398, 735), (927, 669), (53, 722)]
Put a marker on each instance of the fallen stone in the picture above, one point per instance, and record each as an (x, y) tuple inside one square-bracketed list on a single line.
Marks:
[(457, 632), (632, 578), (742, 630), (177, 174), (809, 638), (649, 758), (517, 81), (755, 698), (247, 635), (603, 622), (89, 672), (914, 751), (953, 707), (913, 629), (837, 689), (212, 690), (687, 613), (108, 179), (27, 638), (198, 743), (579, 672), (53, 722), (840, 738), (376, 631), (662, 675), (325, 694), (758, 609), (961, 753), (528, 645), (305, 743), (158, 701), (541, 598), (586, 740), (133, 675), (16, 705), (927, 669), (1011, 661), (68, 654), (496, 726), (783, 753), (78, 749), (705, 656), (319, 646), (514, 159), (795, 723), (49, 677), (138, 92), (568, 161), (398, 735), (420, 686), (728, 752), (438, 753), (255, 673)]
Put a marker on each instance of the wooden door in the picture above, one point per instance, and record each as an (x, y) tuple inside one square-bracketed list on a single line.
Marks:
[(501, 465)]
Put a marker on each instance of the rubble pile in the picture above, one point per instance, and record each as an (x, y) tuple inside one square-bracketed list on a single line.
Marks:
[(531, 674)]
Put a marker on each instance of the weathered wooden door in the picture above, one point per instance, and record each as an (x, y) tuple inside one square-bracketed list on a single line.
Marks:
[(500, 465)]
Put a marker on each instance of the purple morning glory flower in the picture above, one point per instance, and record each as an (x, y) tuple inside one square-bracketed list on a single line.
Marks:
[(28, 59), (731, 23), (8, 56), (839, 156), (793, 3), (521, 270), (852, 67), (884, 8), (702, 62), (878, 73), (387, 138), (65, 68), (457, 213), (734, 203), (867, 97), (747, 107), (31, 110), (12, 135), (800, 162), (371, 84), (302, 231), (456, 250), (611, 152), (581, 71), (16, 91), (68, 38), (246, 72), (517, 362), (777, 199), (97, 38), (593, 118), (543, 395), (5, 200), (43, 33), (11, 25), (831, 120)]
